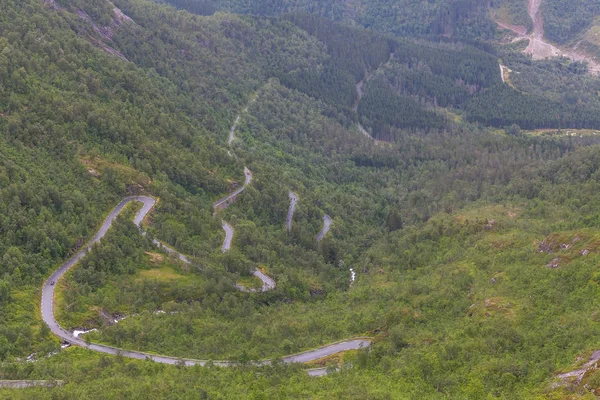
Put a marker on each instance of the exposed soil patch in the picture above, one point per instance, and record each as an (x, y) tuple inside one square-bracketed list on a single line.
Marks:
[(568, 247), (493, 306), (93, 172), (557, 242), (490, 224), (120, 17), (105, 32), (101, 34), (155, 258), (541, 49), (547, 246)]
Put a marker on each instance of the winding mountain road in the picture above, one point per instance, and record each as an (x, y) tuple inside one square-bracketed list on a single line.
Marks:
[(169, 250), (237, 121), (360, 92), (232, 131), (267, 282), (227, 200), (48, 291), (290, 215), (228, 237), (148, 203), (539, 48), (327, 221), (21, 384), (365, 132)]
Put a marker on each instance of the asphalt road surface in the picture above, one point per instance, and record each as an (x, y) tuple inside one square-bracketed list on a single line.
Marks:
[(225, 201), (327, 221), (228, 236), (47, 305)]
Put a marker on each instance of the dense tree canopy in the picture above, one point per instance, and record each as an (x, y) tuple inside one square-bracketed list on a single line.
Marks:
[(448, 226), (466, 18)]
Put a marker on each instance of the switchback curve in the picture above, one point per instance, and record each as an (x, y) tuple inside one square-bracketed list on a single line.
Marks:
[(327, 221), (47, 306), (226, 201), (267, 282)]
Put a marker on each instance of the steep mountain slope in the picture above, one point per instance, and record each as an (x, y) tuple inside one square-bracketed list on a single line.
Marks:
[(403, 17), (466, 253), (570, 28)]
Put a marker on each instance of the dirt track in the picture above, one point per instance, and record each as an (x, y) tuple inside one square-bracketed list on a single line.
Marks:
[(540, 48)]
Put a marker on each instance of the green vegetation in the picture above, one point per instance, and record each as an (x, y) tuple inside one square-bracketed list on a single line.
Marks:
[(475, 248), (466, 18), (566, 20), (551, 93), (514, 12)]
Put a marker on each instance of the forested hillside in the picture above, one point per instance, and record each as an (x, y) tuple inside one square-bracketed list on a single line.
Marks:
[(465, 251), (565, 20), (465, 18), (514, 12), (571, 24)]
